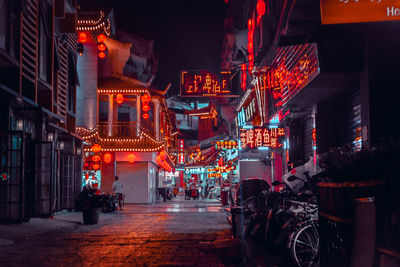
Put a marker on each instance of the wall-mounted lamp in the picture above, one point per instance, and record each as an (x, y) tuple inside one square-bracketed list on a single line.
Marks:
[(20, 125), (61, 145), (78, 151)]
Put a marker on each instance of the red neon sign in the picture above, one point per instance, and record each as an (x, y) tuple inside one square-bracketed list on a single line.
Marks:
[(181, 155), (261, 137), (205, 83)]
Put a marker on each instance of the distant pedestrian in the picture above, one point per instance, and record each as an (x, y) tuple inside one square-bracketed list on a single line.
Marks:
[(206, 190), (117, 189)]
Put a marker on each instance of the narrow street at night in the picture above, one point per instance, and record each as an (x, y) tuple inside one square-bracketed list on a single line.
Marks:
[(178, 233), (242, 133)]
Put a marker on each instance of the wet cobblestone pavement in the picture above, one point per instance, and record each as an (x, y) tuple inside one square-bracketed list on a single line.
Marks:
[(177, 233)]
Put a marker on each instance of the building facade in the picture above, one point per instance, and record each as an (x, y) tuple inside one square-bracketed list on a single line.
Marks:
[(125, 123), (40, 152)]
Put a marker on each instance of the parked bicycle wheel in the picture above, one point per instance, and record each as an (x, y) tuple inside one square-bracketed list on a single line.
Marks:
[(304, 245)]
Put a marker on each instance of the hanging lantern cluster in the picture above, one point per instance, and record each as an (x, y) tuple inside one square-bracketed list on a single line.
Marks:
[(96, 148), (145, 106), (93, 162), (197, 156), (244, 77), (251, 24), (101, 47), (260, 7)]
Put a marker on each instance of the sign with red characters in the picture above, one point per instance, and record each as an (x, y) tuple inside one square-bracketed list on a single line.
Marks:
[(181, 155), (261, 137), (205, 83)]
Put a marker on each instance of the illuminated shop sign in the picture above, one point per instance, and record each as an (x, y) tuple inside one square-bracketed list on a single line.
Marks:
[(205, 83), (181, 155), (213, 175), (294, 68), (172, 174), (195, 170), (355, 11), (258, 137), (227, 144), (246, 112)]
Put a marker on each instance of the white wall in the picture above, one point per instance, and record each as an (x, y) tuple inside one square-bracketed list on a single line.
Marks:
[(135, 181), (254, 169)]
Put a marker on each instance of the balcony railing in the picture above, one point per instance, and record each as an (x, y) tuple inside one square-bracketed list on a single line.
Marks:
[(129, 129)]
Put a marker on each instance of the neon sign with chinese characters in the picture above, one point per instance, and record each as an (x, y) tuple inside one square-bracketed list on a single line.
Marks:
[(261, 137), (181, 155), (227, 144), (205, 83)]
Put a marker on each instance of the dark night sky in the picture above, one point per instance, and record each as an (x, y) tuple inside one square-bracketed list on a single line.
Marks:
[(188, 34)]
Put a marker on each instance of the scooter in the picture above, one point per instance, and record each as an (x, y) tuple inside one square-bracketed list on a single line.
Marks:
[(109, 202)]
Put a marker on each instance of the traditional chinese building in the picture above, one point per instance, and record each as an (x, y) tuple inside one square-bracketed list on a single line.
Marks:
[(40, 152), (126, 125)]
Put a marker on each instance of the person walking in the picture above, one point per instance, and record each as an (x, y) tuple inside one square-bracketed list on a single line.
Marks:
[(117, 189)]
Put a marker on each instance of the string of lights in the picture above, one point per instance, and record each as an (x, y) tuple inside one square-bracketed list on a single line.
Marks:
[(128, 149), (106, 28), (91, 21), (123, 91)]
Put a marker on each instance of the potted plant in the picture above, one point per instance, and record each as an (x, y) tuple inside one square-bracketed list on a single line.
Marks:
[(349, 175), (91, 204)]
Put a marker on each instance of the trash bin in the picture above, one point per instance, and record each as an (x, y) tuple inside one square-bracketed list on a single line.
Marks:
[(224, 197), (91, 216)]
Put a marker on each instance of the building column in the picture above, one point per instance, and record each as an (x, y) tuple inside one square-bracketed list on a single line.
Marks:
[(313, 121), (110, 113), (157, 119), (138, 115)]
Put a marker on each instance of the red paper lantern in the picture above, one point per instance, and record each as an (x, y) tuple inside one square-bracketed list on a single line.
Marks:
[(120, 98), (82, 37), (131, 158), (145, 99), (250, 47), (96, 148), (260, 7), (101, 38), (107, 158), (146, 116), (102, 47), (102, 55), (250, 36), (251, 24), (163, 154), (96, 158), (145, 108), (250, 57), (96, 166)]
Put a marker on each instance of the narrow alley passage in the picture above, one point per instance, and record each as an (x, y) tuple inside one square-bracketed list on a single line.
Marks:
[(176, 233)]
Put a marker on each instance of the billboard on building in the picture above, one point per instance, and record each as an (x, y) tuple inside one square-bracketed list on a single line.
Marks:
[(356, 11), (259, 137), (205, 83)]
